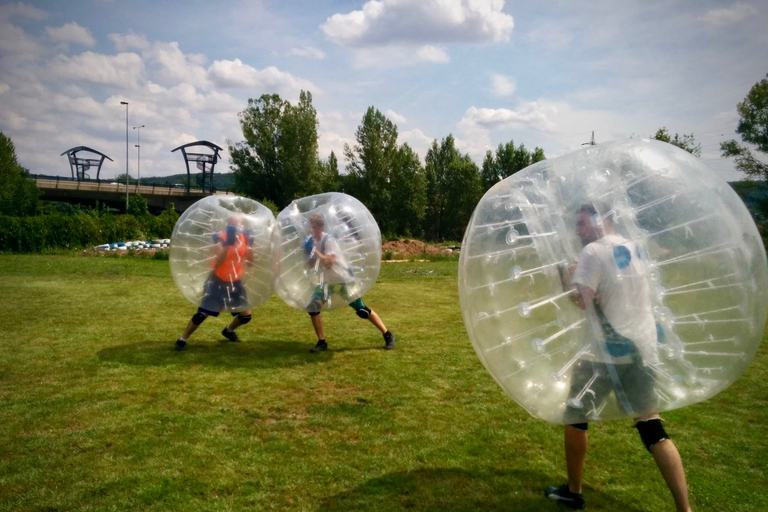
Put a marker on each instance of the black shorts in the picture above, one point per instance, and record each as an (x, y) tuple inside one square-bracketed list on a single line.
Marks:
[(220, 296), (631, 383)]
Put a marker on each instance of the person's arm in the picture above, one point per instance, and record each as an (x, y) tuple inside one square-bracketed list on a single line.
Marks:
[(585, 296), (220, 253), (586, 277)]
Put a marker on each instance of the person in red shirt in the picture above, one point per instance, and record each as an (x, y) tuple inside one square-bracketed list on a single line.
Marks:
[(223, 290)]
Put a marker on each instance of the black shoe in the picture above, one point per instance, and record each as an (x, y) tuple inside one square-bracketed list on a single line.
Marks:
[(181, 344), (230, 334), (389, 340), (564, 495), (321, 345)]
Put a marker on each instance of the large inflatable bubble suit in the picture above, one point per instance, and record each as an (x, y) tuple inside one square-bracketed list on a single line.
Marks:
[(327, 251), (674, 257), (221, 253)]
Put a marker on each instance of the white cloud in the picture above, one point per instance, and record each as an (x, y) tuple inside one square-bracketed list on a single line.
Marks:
[(418, 141), (396, 56), (21, 10), (167, 64), (71, 33), (382, 22), (395, 117), (431, 53), (14, 41), (123, 69), (502, 85), (728, 15), (129, 41), (308, 52), (530, 114), (235, 74), (71, 100)]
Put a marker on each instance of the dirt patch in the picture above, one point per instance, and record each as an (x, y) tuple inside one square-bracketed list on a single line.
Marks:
[(405, 249)]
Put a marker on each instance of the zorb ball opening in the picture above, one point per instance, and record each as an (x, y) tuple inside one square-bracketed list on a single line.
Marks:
[(674, 257), (327, 252), (221, 253)]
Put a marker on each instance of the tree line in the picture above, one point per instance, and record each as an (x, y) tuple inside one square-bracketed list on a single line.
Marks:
[(278, 162)]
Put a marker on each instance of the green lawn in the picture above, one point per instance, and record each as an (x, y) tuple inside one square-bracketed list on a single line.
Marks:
[(97, 412)]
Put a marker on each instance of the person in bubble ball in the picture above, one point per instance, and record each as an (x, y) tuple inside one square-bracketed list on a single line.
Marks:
[(326, 258), (622, 309), (223, 290)]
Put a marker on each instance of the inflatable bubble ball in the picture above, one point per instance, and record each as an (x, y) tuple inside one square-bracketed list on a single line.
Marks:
[(327, 252), (618, 281), (221, 253)]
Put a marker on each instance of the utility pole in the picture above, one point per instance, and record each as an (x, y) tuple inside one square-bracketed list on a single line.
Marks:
[(126, 154), (138, 146)]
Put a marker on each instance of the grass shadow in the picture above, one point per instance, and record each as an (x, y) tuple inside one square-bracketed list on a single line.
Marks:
[(455, 490), (247, 354)]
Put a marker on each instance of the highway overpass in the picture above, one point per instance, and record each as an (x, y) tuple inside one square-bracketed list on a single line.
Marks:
[(113, 194)]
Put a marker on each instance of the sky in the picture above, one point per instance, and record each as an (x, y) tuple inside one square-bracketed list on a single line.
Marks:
[(487, 71)]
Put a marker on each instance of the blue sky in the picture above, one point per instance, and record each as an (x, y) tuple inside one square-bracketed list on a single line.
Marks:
[(541, 73)]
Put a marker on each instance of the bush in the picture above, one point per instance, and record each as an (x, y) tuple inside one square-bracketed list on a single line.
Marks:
[(81, 230)]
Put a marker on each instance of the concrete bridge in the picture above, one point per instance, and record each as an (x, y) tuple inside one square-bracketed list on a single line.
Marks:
[(113, 194)]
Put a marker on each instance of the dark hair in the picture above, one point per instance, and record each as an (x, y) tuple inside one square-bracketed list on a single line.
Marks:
[(317, 220), (594, 208)]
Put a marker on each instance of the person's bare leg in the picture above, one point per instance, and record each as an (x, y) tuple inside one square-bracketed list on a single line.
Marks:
[(671, 466), (317, 323), (375, 320), (191, 327), (235, 323), (575, 456)]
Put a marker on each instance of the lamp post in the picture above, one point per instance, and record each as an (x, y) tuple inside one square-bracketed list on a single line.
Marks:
[(126, 154), (138, 147)]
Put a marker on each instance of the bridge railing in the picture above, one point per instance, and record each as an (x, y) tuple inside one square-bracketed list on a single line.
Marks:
[(64, 183)]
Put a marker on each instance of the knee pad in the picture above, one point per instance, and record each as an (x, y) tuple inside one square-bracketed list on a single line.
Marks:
[(198, 318), (244, 319), (364, 312), (651, 432), (314, 313), (580, 426)]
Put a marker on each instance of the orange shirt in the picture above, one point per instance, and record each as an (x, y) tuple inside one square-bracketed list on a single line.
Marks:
[(232, 267)]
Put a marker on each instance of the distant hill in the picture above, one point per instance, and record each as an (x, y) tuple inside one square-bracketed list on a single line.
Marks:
[(223, 181)]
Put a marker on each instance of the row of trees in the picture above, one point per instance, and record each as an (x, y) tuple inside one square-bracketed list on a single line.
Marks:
[(278, 162)]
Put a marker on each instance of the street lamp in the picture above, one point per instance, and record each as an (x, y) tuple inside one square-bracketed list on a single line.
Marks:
[(138, 146), (126, 154)]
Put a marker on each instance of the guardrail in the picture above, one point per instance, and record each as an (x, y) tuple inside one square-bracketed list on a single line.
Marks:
[(104, 186)]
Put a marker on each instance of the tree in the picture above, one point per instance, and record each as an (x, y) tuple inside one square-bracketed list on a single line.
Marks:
[(408, 197), (507, 161), (686, 142), (278, 158), (369, 164), (753, 128), (329, 174), (137, 206), (120, 178), (453, 190), (18, 193)]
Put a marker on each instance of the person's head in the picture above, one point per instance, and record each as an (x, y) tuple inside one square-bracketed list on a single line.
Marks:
[(235, 220), (316, 224), (590, 225)]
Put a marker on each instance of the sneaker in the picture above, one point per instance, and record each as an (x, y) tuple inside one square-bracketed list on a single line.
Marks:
[(564, 495), (230, 334), (181, 344), (321, 345), (389, 340)]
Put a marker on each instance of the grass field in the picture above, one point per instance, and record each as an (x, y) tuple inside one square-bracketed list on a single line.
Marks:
[(97, 412)]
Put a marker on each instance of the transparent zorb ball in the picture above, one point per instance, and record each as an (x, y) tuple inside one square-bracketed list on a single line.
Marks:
[(308, 231), (678, 266), (221, 253)]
